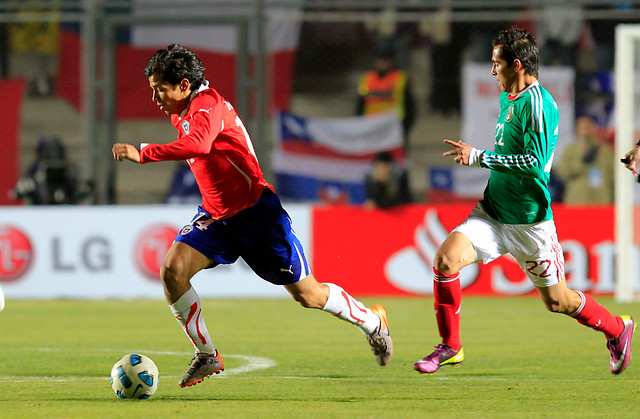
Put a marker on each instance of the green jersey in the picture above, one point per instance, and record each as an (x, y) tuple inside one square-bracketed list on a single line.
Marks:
[(526, 137)]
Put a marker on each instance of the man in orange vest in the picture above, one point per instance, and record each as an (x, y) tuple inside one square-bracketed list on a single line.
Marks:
[(386, 88)]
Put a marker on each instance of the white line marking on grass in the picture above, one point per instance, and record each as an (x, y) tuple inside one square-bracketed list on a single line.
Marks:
[(252, 363)]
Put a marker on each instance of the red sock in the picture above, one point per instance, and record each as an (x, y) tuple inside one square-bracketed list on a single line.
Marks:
[(448, 293), (592, 314)]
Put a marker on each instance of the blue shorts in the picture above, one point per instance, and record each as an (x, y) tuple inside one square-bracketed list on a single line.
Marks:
[(261, 234)]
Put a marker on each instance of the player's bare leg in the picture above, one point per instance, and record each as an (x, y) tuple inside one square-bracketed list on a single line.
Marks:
[(455, 253), (335, 300), (179, 266), (618, 330), (559, 298)]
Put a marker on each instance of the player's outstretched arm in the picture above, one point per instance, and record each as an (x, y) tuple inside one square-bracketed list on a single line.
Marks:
[(123, 151)]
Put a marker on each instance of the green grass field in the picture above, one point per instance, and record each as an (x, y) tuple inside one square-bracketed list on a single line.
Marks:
[(284, 361)]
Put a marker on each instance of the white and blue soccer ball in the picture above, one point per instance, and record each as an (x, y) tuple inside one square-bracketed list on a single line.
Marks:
[(134, 376)]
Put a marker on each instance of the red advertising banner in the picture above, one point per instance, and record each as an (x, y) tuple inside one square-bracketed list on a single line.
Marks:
[(391, 252)]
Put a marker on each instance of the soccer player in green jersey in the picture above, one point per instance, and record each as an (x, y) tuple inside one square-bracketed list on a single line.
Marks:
[(514, 215)]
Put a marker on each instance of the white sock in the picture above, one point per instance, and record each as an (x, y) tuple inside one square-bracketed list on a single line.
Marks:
[(188, 312), (347, 308)]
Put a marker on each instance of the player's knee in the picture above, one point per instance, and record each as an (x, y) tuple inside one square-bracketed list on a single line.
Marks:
[(172, 270), (444, 263)]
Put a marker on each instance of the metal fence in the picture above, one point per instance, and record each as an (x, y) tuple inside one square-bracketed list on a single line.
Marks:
[(337, 42)]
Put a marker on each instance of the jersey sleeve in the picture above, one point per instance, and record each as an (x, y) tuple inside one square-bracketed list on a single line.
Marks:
[(518, 164), (538, 124), (197, 143)]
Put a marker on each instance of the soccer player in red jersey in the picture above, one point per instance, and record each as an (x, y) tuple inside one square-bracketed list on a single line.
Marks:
[(241, 215)]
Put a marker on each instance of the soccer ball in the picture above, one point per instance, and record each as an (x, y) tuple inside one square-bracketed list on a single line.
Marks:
[(134, 376)]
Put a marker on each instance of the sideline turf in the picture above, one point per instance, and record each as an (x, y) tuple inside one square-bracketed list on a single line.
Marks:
[(521, 361)]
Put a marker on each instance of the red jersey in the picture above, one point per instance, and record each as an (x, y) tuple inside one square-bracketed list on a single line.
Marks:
[(217, 147)]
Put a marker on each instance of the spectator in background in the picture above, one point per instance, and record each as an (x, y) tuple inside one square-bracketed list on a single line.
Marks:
[(586, 167), (34, 46), (386, 88), (387, 185), (51, 179)]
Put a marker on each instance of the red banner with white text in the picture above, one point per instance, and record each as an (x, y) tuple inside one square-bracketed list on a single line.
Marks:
[(391, 252)]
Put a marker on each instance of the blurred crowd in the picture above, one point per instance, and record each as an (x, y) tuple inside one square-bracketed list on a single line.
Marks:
[(575, 34)]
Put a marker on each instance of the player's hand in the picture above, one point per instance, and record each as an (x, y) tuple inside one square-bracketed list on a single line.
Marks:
[(460, 151), (125, 151), (631, 160)]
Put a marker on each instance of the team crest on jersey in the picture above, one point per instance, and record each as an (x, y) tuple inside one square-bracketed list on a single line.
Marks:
[(509, 116), (186, 127), (186, 229)]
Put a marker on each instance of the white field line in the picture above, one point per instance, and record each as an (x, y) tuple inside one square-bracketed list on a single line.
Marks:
[(252, 363)]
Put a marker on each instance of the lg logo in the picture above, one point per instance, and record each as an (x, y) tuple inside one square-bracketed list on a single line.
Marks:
[(151, 247), (16, 253), (95, 253)]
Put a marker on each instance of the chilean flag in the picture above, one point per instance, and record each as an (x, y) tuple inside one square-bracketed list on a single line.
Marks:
[(327, 159), (215, 44)]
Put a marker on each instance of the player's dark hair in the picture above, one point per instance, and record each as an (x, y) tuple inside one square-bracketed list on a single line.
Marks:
[(174, 63), (519, 44)]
